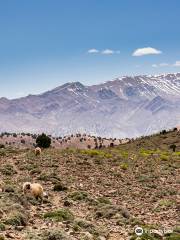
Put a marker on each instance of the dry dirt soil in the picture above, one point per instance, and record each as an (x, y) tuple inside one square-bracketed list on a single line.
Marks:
[(93, 194)]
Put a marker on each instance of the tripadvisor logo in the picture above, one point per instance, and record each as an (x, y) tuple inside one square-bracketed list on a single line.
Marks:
[(138, 231)]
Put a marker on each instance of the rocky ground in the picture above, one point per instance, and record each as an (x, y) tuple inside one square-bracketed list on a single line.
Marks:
[(93, 194)]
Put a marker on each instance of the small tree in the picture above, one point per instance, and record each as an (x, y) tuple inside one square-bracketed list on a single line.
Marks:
[(111, 144), (163, 132), (173, 147), (96, 146), (23, 141), (43, 141), (2, 146)]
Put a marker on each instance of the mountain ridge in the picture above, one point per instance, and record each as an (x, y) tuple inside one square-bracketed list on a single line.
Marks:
[(125, 107)]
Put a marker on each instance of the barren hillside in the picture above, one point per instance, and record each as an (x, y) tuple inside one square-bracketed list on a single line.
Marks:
[(93, 194), (78, 141)]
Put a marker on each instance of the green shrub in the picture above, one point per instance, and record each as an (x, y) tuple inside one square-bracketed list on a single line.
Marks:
[(106, 211), (177, 153), (17, 219), (78, 196), (173, 147), (2, 227), (103, 200), (81, 224), (55, 235), (164, 157), (59, 187), (165, 203), (94, 152), (60, 215), (124, 166), (173, 236), (43, 141), (7, 169), (52, 234)]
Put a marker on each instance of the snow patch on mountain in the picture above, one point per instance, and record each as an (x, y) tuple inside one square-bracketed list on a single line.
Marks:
[(127, 106)]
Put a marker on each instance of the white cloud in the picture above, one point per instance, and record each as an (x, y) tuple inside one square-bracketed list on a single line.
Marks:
[(108, 51), (177, 64), (164, 64), (154, 65), (145, 51), (160, 65), (93, 50), (105, 51)]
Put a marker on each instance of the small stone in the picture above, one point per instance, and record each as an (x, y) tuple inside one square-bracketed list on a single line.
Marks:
[(67, 203), (31, 221), (10, 235), (125, 213), (19, 228), (102, 238), (8, 189), (88, 235), (1, 213)]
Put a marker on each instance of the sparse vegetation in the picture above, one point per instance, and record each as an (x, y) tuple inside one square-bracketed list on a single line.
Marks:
[(60, 215), (124, 166), (16, 219), (78, 196), (59, 187), (92, 193), (2, 227), (173, 147), (7, 169)]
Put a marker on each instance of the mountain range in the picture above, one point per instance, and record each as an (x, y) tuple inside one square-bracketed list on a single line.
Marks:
[(128, 106)]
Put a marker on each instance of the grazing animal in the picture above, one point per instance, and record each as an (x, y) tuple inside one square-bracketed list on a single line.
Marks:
[(178, 128), (34, 189), (37, 151)]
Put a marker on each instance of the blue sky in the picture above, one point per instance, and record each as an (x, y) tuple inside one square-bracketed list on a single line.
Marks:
[(45, 43)]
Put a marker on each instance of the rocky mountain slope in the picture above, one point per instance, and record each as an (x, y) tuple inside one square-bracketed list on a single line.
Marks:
[(93, 194), (124, 107)]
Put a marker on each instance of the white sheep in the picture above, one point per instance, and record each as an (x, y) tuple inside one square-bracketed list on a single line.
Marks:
[(178, 128), (37, 151), (34, 189)]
